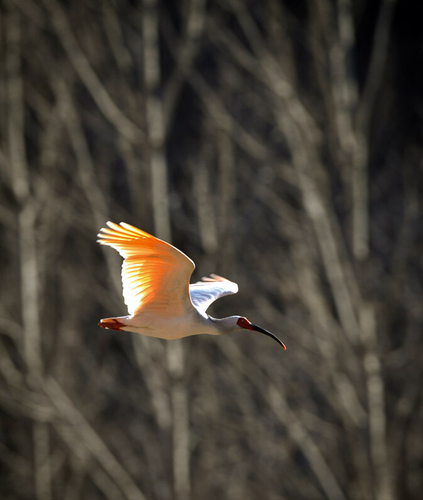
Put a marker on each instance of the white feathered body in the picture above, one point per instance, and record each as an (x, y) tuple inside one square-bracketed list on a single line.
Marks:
[(194, 321)]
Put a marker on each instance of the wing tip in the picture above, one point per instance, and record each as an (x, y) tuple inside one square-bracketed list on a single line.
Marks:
[(112, 231), (216, 278), (125, 229), (213, 277)]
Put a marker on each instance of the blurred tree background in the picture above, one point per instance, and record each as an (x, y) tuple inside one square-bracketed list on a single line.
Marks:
[(278, 143)]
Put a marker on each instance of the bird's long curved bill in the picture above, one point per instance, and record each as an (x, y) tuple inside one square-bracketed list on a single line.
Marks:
[(269, 334)]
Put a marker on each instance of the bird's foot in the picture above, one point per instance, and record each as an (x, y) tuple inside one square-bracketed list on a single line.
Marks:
[(111, 324)]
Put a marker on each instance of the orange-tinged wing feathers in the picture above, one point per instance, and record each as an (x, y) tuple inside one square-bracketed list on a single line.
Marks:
[(155, 275)]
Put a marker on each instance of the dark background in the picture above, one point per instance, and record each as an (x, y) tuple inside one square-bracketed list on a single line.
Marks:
[(278, 143)]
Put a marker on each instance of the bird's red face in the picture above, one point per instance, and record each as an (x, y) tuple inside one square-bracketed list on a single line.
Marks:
[(247, 325), (244, 323)]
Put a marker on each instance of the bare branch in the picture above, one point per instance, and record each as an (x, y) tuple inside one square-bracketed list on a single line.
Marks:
[(82, 66), (90, 439)]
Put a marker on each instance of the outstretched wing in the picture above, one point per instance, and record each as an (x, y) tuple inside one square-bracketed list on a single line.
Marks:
[(208, 290), (155, 275)]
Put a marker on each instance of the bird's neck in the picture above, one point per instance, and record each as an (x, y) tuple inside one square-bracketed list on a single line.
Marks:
[(225, 325)]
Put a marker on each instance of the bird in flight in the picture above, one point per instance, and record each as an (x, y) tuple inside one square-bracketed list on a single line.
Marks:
[(161, 302)]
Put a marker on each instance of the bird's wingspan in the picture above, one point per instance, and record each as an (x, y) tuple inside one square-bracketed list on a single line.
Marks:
[(208, 290), (155, 275)]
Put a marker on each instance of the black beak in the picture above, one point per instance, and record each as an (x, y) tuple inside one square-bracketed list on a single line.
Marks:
[(269, 334)]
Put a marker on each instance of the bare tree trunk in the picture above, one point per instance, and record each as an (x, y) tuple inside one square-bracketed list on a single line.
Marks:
[(29, 284), (161, 214)]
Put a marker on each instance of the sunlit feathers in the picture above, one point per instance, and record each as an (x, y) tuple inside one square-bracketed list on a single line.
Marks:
[(155, 275)]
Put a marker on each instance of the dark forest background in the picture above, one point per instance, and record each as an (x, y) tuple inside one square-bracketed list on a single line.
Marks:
[(277, 143)]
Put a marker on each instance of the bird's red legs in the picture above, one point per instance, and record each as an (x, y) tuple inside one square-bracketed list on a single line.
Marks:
[(111, 324)]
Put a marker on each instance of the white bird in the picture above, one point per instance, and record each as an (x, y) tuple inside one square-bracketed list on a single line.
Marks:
[(161, 302)]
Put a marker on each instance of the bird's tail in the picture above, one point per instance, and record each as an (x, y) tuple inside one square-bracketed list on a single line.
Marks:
[(111, 324)]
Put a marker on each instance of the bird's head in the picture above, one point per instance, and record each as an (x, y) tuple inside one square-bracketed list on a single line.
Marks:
[(245, 324)]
